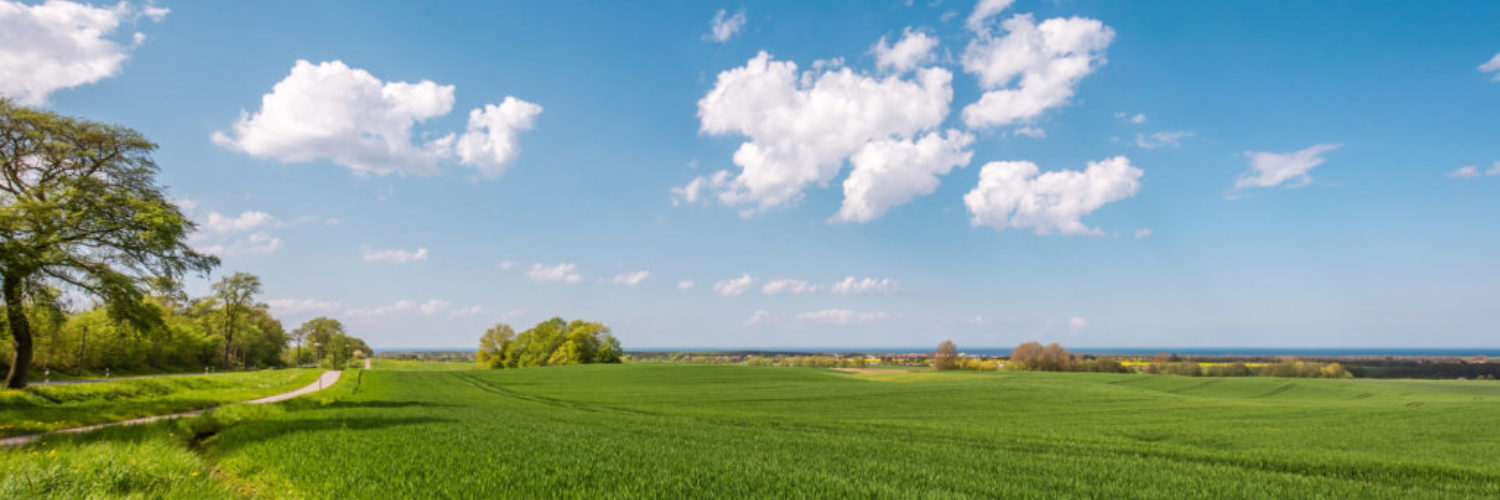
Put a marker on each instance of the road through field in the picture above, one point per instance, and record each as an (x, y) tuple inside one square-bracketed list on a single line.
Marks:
[(327, 379)]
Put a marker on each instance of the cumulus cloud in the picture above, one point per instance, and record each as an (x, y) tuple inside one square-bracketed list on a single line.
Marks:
[(803, 126), (865, 286), (560, 273), (58, 45), (734, 286), (330, 111), (631, 278), (394, 255), (398, 308), (684, 285), (1137, 118), (1143, 233), (249, 233), (1159, 140), (253, 219), (1273, 169), (914, 49), (505, 265), (788, 286), (471, 312), (1492, 66), (1015, 194), (725, 26), (891, 172), (258, 243), (1473, 172), (1032, 132), (1031, 67), (490, 144), (842, 316)]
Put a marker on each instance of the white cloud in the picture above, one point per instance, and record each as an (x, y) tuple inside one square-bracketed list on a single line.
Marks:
[(330, 111), (891, 172), (345, 115), (400, 308), (1012, 194), (760, 316), (1077, 322), (259, 243), (505, 265), (684, 285), (1273, 169), (470, 312), (984, 10), (866, 286), (914, 49), (219, 224), (1032, 132), (1468, 172), (1472, 172), (724, 26), (58, 45), (490, 143), (303, 306), (1492, 66), (1143, 233), (433, 306), (630, 279), (1137, 118), (789, 286), (560, 273), (1164, 139), (842, 316), (1032, 67), (734, 286), (801, 127), (394, 255)]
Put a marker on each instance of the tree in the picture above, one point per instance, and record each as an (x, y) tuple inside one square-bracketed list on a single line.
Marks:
[(80, 208), (237, 292), (946, 357), (493, 345)]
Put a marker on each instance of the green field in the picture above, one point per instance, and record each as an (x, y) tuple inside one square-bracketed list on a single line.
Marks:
[(675, 431), (47, 407)]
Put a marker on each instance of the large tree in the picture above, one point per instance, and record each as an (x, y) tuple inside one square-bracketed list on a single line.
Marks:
[(237, 292), (946, 357), (80, 208)]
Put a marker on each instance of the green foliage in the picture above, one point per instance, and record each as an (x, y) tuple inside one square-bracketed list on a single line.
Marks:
[(80, 208), (554, 342)]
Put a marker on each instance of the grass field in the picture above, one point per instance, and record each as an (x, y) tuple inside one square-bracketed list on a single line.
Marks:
[(42, 408), (678, 431)]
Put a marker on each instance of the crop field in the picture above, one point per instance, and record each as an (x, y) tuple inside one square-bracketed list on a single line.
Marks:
[(40, 408), (675, 431)]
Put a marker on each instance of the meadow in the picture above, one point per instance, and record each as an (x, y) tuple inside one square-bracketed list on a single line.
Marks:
[(673, 431)]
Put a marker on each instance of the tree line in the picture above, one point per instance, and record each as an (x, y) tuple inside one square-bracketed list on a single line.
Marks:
[(1033, 356), (549, 343), (82, 216)]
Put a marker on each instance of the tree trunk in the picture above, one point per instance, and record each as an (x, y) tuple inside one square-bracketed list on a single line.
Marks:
[(228, 333), (20, 331)]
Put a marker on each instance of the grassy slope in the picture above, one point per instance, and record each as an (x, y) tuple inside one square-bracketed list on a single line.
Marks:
[(720, 431), (42, 408)]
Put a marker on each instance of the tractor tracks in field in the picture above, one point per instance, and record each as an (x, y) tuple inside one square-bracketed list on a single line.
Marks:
[(493, 388)]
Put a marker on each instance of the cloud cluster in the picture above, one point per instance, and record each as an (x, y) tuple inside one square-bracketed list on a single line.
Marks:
[(60, 44), (733, 287), (1273, 169), (866, 286), (802, 127), (1015, 194), (789, 286), (330, 111), (914, 49), (1026, 68), (1158, 140)]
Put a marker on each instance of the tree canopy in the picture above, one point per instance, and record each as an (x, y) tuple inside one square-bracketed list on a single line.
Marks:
[(549, 343), (80, 209)]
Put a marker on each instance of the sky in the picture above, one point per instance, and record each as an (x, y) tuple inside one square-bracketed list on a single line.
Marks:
[(819, 174)]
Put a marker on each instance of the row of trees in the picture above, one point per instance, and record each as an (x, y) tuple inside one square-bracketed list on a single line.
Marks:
[(549, 343), (1033, 356), (81, 215)]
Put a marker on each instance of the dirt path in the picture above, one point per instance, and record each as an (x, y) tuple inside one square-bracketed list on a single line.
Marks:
[(325, 380)]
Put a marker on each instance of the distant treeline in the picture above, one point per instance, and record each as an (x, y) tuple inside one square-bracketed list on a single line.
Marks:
[(549, 343)]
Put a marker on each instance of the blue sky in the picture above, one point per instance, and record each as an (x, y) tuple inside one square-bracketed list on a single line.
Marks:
[(420, 226)]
